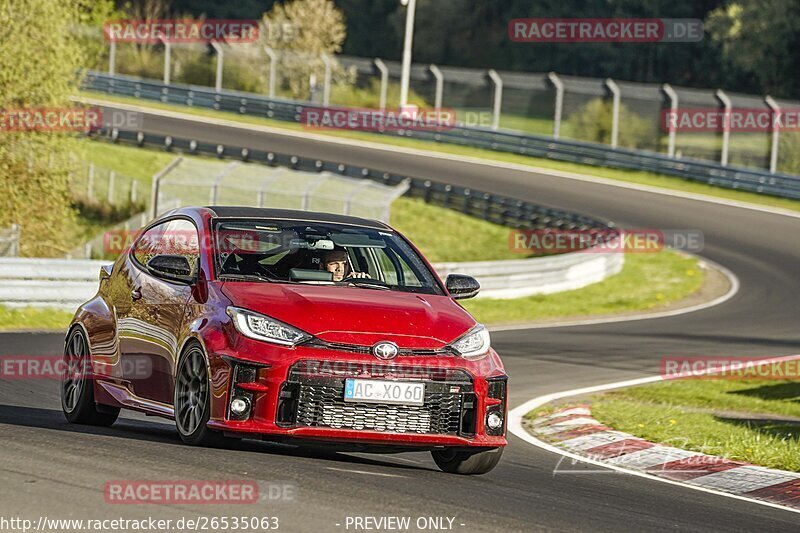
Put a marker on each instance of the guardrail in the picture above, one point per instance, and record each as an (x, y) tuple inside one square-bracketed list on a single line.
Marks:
[(65, 283), (56, 283), (487, 206), (747, 179)]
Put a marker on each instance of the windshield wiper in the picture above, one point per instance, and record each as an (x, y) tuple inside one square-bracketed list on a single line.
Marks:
[(244, 277)]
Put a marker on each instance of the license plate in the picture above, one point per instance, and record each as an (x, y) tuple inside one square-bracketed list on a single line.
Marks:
[(379, 391)]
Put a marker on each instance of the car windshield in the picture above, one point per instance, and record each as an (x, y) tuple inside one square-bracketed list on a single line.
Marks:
[(318, 253)]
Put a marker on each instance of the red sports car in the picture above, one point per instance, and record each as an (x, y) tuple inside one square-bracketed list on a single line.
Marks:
[(288, 326)]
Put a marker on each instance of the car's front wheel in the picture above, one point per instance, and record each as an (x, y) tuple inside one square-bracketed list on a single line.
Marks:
[(193, 400), (467, 462), (77, 385)]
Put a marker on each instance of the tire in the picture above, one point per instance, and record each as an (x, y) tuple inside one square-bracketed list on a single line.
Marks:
[(192, 400), (77, 386), (467, 463)]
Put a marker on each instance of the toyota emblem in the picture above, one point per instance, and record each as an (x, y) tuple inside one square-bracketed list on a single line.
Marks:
[(385, 350)]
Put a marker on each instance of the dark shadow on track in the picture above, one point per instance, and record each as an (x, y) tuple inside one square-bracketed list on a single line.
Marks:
[(165, 434)]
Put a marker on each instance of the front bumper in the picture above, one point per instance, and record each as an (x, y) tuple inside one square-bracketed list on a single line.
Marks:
[(300, 395)]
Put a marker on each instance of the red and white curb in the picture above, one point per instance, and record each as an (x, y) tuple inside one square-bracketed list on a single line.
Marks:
[(576, 431), (574, 434)]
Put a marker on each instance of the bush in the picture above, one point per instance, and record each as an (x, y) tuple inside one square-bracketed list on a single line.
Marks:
[(593, 123)]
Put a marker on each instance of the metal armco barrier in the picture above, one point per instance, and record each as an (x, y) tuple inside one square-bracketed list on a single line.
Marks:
[(746, 179), (65, 283), (493, 208), (57, 283)]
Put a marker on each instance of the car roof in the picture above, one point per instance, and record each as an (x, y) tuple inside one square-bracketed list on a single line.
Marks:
[(293, 214)]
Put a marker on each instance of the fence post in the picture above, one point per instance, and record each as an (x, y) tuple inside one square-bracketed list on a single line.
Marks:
[(90, 182), (559, 103), (112, 57), (157, 183), (672, 118), (776, 130), (355, 192), (167, 60), (498, 98), (310, 188), (726, 126), (15, 236), (215, 188), (220, 59), (111, 179), (273, 65), (134, 191), (381, 66), (437, 75), (326, 86), (615, 94)]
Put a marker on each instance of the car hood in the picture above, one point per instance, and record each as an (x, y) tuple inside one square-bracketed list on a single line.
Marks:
[(357, 316)]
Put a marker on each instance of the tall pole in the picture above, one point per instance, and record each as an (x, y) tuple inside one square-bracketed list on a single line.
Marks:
[(726, 126), (673, 108), (112, 58), (220, 56), (776, 130), (559, 103), (615, 94), (407, 47)]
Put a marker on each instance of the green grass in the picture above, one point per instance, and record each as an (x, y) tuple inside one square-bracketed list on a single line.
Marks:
[(631, 176), (29, 318), (445, 235), (138, 163), (697, 415), (646, 281)]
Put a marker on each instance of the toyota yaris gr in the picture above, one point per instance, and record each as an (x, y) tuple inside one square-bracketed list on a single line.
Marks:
[(289, 326)]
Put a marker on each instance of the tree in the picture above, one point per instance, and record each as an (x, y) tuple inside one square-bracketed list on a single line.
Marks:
[(41, 55), (761, 38), (302, 30)]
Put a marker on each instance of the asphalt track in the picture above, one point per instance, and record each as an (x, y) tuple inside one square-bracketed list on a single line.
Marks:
[(51, 468)]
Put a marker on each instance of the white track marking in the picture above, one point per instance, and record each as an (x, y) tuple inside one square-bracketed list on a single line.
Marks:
[(515, 426), (735, 285), (743, 479), (650, 457), (362, 472)]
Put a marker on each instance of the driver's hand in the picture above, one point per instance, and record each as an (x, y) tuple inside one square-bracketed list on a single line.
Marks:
[(359, 275)]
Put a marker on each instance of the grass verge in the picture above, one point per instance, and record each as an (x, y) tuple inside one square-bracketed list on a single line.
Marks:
[(630, 176), (647, 281), (29, 318), (755, 421)]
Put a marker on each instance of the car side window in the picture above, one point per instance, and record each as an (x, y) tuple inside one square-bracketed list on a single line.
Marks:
[(175, 237), (148, 244), (181, 238)]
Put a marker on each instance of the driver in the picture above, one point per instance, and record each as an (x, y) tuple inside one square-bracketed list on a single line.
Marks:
[(336, 262)]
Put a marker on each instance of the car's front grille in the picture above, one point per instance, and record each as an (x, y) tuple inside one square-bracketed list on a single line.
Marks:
[(318, 401), (403, 352)]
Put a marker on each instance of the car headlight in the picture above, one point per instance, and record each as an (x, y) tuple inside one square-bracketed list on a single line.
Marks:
[(264, 328), (474, 344)]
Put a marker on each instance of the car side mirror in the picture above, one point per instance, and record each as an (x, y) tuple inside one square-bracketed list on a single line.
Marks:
[(172, 268), (462, 287)]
